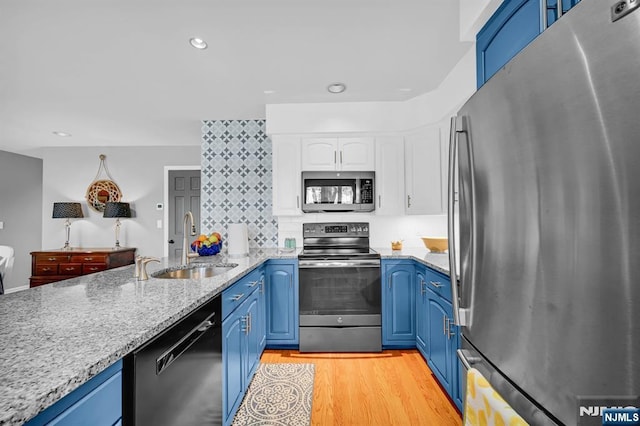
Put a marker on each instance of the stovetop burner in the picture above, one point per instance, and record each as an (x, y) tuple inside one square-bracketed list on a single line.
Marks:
[(344, 240)]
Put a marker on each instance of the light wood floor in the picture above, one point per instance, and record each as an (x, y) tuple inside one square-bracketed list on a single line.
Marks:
[(389, 388)]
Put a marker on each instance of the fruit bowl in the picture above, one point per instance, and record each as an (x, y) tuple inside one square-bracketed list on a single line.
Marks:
[(436, 244), (207, 245), (212, 250)]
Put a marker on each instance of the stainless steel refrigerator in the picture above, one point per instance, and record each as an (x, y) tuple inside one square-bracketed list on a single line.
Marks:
[(548, 156)]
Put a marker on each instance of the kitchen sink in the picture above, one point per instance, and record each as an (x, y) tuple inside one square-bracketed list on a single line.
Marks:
[(194, 271)]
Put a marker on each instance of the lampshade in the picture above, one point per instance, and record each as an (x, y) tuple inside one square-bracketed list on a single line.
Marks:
[(112, 209), (67, 210)]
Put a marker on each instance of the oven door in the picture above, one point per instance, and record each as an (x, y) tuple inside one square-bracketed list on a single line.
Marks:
[(340, 293)]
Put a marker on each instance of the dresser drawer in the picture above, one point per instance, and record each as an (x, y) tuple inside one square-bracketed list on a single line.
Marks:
[(90, 268), (52, 258), (46, 269), (70, 268), (89, 258)]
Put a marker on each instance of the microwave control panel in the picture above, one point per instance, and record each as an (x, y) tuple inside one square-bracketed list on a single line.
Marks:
[(366, 191)]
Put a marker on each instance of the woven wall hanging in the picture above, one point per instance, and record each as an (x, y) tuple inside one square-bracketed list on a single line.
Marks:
[(102, 190)]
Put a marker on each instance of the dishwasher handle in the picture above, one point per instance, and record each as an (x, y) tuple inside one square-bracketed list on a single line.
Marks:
[(176, 350)]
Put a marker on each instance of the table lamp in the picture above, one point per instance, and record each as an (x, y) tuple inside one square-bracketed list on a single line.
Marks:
[(117, 210), (67, 211)]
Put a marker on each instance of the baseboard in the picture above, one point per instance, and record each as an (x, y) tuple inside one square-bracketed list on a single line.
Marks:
[(15, 289)]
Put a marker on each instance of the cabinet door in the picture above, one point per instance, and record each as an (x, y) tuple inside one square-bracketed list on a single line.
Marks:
[(356, 154), (232, 358), (251, 311), (286, 176), (399, 303), (421, 312), (440, 354), (319, 154), (389, 175), (460, 383), (261, 323), (513, 26), (282, 304), (423, 175)]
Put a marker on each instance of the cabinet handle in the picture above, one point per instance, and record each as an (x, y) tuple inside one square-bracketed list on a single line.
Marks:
[(389, 280), (436, 284), (262, 285), (340, 157), (245, 321), (69, 269), (237, 297), (449, 333), (88, 258), (52, 259), (444, 324), (93, 269), (408, 201), (335, 157), (422, 283), (297, 201), (379, 201), (559, 8), (253, 284), (46, 269), (290, 281)]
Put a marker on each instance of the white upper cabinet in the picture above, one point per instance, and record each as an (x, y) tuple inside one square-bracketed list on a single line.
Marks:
[(347, 154), (423, 172), (286, 175), (389, 175)]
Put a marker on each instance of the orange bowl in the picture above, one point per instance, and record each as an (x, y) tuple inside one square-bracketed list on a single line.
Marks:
[(435, 244)]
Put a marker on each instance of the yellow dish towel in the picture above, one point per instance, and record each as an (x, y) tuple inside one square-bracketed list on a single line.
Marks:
[(484, 407)]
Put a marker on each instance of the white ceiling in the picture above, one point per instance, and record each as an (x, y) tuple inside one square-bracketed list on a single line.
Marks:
[(122, 72)]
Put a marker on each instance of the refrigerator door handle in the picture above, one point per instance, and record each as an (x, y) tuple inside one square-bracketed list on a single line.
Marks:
[(459, 315)]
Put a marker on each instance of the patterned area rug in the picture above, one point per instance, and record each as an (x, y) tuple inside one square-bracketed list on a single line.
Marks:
[(279, 394)]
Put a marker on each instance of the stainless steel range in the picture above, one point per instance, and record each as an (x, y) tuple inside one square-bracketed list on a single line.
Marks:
[(340, 293)]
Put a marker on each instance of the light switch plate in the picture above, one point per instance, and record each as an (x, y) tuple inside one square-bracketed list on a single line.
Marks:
[(1, 225), (159, 223)]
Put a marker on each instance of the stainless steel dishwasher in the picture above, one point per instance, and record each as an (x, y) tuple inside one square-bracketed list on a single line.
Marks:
[(176, 378)]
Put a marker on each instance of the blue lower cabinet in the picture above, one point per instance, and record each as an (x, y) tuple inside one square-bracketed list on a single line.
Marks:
[(460, 385), (398, 304), (440, 357), (422, 335), (97, 402), (240, 354), (281, 287)]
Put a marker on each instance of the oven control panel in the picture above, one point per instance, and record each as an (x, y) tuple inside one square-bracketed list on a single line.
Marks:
[(343, 229)]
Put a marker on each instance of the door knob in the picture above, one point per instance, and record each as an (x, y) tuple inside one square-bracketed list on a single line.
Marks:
[(171, 242)]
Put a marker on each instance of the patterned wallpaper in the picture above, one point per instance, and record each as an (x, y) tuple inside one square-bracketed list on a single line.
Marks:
[(236, 179)]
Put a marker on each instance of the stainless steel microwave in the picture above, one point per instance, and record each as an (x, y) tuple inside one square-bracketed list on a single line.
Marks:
[(338, 192)]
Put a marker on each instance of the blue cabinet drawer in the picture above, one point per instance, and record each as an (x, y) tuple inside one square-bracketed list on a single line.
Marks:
[(439, 283), (239, 292)]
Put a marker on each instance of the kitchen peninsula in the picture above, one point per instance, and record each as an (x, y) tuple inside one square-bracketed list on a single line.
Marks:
[(58, 336)]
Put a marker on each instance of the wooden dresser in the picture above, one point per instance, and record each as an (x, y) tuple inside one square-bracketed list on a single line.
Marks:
[(55, 265)]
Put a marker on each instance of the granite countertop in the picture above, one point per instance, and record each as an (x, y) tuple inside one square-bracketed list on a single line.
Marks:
[(57, 336)]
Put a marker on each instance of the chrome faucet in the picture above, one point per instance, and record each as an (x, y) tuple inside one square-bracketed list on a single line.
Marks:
[(184, 260)]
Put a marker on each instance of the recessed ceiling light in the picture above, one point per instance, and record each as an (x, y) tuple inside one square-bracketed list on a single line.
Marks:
[(336, 87), (62, 134), (198, 43), (269, 92)]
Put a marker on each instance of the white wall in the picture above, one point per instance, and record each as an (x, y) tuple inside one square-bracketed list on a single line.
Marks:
[(20, 207), (473, 15), (138, 171)]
